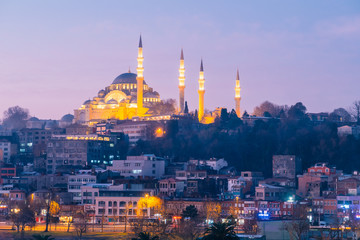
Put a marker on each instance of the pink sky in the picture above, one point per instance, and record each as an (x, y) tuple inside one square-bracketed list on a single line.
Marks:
[(55, 55)]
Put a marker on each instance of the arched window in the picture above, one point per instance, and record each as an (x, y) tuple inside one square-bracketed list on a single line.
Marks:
[(115, 204), (122, 204)]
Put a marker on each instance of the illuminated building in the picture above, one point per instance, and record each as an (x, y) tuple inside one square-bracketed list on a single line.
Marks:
[(181, 83), (129, 97), (237, 94), (122, 100), (201, 92)]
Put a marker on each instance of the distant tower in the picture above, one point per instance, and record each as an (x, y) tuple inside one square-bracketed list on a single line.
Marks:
[(140, 79), (237, 94), (181, 82), (201, 92)]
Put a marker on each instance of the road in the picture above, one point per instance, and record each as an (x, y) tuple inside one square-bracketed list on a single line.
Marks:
[(60, 227)]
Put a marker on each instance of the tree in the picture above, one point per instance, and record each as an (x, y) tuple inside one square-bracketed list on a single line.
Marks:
[(269, 108), (49, 201), (213, 211), (190, 212), (54, 211), (164, 107), (355, 111), (186, 109), (81, 223), (149, 202), (221, 231), (340, 114), (146, 236), (245, 114), (187, 230), (297, 228), (224, 115), (299, 225), (297, 111), (250, 226), (42, 237), (23, 217), (15, 117)]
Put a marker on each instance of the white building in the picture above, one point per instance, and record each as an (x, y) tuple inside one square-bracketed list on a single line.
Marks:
[(213, 163), (135, 130), (75, 182), (235, 184), (7, 149), (349, 130), (147, 165), (112, 203), (116, 208)]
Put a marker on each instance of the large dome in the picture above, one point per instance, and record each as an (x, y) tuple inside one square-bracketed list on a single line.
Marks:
[(126, 78), (67, 118)]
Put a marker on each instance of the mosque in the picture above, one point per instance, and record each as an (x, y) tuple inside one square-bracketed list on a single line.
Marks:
[(130, 96)]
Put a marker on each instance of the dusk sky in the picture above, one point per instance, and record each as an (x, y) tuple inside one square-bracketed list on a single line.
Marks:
[(54, 55)]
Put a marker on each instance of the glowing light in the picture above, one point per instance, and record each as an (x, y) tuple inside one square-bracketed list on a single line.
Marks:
[(15, 210), (159, 132)]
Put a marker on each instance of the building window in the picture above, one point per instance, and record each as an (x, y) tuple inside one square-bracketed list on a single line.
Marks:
[(101, 211)]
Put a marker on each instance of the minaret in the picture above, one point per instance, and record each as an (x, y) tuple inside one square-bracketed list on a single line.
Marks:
[(201, 92), (237, 94), (181, 83), (140, 79)]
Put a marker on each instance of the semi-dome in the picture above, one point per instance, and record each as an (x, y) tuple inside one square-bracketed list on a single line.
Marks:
[(87, 102), (126, 78), (112, 101), (151, 95), (33, 119), (67, 118), (101, 93)]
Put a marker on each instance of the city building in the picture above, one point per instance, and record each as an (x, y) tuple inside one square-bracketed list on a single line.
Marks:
[(312, 185), (135, 130), (213, 163), (79, 150), (271, 193), (349, 130), (322, 168), (171, 187), (147, 165), (286, 166), (34, 140), (75, 182), (8, 148), (7, 172), (347, 186)]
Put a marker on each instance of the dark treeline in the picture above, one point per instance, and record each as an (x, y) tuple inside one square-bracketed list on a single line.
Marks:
[(251, 146)]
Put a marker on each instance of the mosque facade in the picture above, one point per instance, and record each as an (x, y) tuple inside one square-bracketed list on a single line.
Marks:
[(120, 99), (129, 96)]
